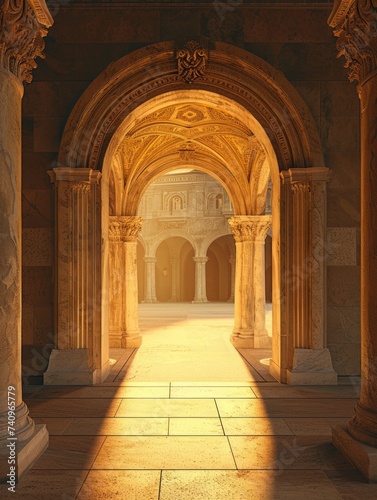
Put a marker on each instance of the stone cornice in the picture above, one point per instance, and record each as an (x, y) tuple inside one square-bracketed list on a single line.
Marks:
[(354, 22), (23, 25)]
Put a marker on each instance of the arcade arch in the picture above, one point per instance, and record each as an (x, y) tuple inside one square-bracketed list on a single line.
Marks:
[(241, 122)]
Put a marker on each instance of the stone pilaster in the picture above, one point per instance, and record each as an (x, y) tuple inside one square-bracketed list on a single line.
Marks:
[(309, 361), (355, 25), (22, 28), (200, 280), (123, 291), (249, 298), (81, 356), (150, 289)]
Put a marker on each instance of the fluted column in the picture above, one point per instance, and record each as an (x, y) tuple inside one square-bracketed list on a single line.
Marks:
[(123, 290), (308, 360), (22, 28), (200, 280), (81, 354), (232, 262), (354, 23), (150, 292)]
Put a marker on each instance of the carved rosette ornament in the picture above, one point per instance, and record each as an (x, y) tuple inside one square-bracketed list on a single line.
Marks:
[(354, 22), (23, 25), (192, 60)]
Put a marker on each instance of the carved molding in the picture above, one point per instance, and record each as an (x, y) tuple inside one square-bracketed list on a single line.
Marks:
[(192, 59), (355, 25), (124, 228), (23, 25)]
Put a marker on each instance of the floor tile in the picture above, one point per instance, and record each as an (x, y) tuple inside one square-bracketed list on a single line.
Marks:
[(319, 392), (195, 427), (351, 485), (132, 485), (70, 452), (47, 485), (311, 426), (171, 452), (285, 407), (167, 408), (212, 392), (73, 407), (246, 485), (255, 426), (103, 392), (289, 452), (118, 426), (55, 426)]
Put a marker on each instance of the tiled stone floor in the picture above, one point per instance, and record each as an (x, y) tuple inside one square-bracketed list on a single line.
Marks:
[(232, 435)]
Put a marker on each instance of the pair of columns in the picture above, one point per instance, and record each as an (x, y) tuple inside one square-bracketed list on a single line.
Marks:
[(21, 441), (200, 280), (249, 287), (354, 23), (123, 290)]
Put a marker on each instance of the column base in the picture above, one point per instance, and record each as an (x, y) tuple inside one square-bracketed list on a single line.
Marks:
[(132, 341), (27, 453), (262, 341), (242, 340), (363, 456), (71, 367), (312, 367), (202, 301)]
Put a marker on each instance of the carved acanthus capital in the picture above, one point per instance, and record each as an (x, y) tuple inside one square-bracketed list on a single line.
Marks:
[(23, 25), (192, 58), (124, 228), (355, 24), (250, 227)]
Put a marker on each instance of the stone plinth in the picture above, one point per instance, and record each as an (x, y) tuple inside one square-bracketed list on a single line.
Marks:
[(312, 367), (363, 456)]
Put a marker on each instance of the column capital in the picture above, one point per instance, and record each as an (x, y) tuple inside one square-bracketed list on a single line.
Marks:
[(124, 228), (250, 227), (200, 259), (354, 23), (23, 25)]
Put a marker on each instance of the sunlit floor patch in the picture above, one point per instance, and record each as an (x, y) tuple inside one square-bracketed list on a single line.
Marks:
[(187, 342)]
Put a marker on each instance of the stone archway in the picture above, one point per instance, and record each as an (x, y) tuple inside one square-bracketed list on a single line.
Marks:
[(263, 108)]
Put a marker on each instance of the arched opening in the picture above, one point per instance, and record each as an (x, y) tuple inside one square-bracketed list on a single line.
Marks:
[(261, 126), (221, 254)]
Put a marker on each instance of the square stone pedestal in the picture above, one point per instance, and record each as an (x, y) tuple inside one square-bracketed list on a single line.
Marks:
[(312, 367), (364, 457), (71, 367), (27, 452)]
